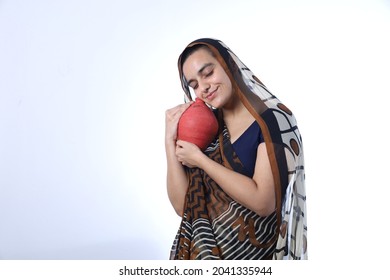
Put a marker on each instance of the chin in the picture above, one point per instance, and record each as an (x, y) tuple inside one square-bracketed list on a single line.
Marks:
[(217, 103), (214, 105)]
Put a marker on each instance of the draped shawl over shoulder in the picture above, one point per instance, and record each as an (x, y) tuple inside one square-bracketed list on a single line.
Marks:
[(216, 227)]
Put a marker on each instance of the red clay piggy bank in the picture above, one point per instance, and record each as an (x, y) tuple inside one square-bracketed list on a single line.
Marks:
[(198, 125)]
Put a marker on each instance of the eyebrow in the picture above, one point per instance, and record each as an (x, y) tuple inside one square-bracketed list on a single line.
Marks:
[(200, 71)]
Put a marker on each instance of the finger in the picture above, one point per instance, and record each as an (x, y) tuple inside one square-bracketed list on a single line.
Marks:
[(178, 108), (179, 143), (176, 112), (182, 142), (183, 107)]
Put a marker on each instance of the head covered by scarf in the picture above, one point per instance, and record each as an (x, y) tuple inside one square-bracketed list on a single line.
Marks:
[(284, 147)]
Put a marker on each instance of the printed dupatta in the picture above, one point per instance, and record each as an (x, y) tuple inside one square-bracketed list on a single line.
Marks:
[(216, 227)]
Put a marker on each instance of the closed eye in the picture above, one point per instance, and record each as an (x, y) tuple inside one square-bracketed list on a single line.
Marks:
[(193, 85), (206, 71), (210, 73)]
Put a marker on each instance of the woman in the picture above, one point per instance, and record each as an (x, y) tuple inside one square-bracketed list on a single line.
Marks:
[(244, 196)]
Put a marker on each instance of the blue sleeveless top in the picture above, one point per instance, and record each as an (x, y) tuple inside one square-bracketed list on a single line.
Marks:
[(246, 147)]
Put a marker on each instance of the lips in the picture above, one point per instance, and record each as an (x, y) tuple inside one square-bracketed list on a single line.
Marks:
[(210, 96)]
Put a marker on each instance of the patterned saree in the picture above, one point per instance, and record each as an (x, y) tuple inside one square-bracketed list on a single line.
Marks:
[(213, 225)]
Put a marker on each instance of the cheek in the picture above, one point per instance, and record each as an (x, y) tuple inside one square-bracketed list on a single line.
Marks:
[(228, 82), (224, 79), (228, 85)]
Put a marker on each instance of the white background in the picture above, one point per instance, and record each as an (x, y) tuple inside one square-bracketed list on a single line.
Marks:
[(84, 86)]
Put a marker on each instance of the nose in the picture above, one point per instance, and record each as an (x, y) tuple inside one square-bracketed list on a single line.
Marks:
[(204, 86)]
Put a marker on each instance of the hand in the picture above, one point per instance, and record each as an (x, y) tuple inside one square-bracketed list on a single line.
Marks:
[(188, 154), (172, 117)]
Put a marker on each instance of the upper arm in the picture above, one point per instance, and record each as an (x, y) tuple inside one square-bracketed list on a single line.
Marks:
[(264, 179)]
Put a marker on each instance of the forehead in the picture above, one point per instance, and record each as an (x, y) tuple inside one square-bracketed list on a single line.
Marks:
[(196, 61)]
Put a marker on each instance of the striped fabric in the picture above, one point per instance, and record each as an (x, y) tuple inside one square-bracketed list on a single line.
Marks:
[(216, 227)]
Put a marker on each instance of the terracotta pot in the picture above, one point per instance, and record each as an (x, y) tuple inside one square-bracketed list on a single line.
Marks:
[(198, 125)]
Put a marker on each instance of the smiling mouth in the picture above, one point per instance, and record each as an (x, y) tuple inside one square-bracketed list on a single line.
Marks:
[(211, 94)]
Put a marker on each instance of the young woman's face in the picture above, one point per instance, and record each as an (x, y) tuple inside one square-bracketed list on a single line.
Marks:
[(207, 78)]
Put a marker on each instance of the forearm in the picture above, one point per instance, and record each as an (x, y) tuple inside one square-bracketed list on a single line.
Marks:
[(241, 188), (177, 182)]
